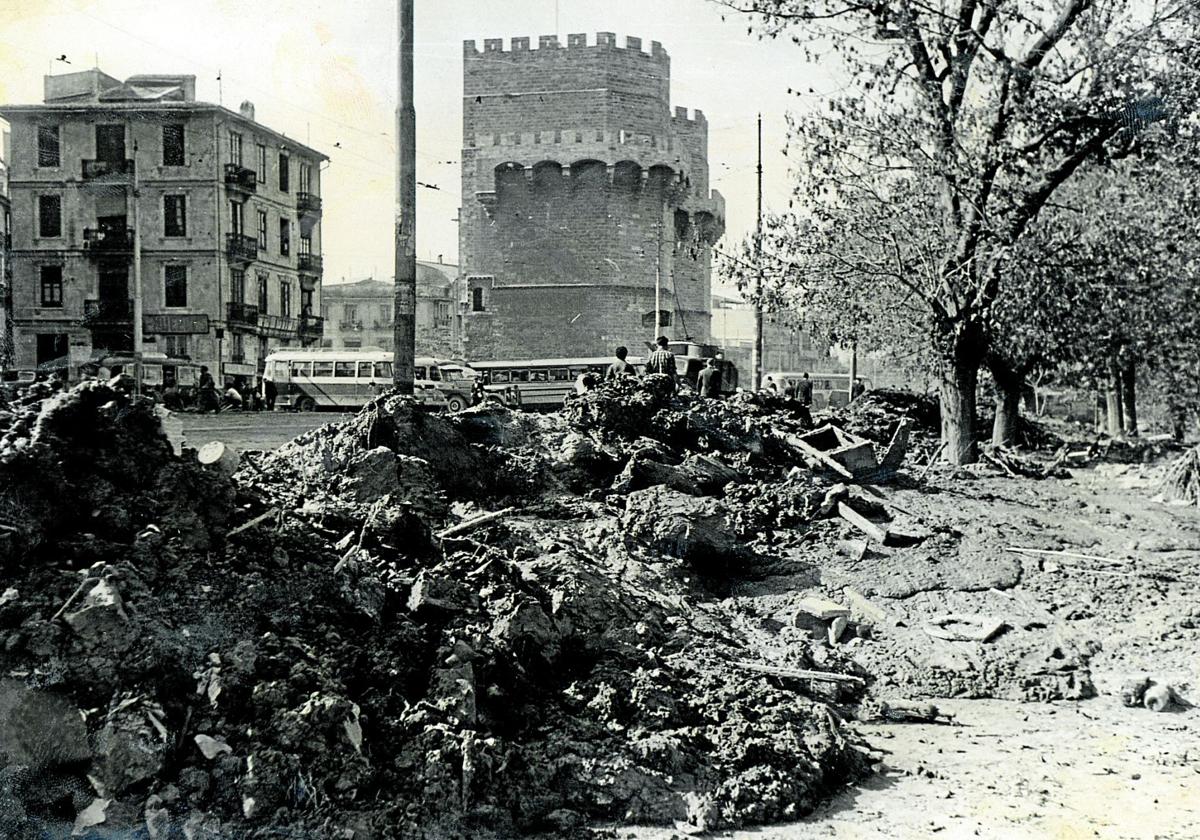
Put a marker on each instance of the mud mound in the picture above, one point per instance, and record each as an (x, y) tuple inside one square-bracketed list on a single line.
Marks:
[(298, 653), (92, 462), (877, 414)]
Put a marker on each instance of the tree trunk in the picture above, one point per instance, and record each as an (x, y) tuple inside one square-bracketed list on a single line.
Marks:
[(1129, 396), (959, 381), (1009, 388), (1113, 395), (1029, 398)]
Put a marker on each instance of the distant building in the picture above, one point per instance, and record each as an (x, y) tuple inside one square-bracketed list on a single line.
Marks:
[(360, 314), (581, 189), (222, 214), (787, 344), (6, 336)]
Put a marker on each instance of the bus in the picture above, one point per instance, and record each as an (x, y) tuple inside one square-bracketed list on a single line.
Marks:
[(541, 383), (830, 390), (306, 380)]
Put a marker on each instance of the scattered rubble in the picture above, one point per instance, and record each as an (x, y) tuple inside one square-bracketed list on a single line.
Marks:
[(486, 623)]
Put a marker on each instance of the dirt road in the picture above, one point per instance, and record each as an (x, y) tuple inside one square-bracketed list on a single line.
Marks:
[(251, 429)]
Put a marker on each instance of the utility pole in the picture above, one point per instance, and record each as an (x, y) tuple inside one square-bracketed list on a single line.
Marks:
[(137, 279), (758, 313), (658, 325), (405, 332)]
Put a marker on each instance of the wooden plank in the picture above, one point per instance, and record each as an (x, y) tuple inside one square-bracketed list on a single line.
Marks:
[(863, 524), (795, 673), (471, 524), (822, 608), (812, 452)]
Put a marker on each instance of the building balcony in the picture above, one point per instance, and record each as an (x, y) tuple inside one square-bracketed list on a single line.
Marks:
[(312, 328), (308, 204), (310, 263), (107, 313), (241, 315), (384, 325), (108, 171), (278, 326), (351, 326), (239, 246), (238, 177), (108, 242)]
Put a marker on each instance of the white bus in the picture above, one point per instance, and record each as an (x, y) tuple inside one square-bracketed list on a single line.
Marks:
[(306, 380), (541, 383)]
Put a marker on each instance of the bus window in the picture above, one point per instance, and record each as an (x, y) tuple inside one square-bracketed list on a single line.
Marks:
[(577, 372), (419, 372), (321, 369), (560, 375), (364, 370), (344, 370), (383, 370), (539, 376), (501, 377), (301, 369), (520, 376), (434, 373)]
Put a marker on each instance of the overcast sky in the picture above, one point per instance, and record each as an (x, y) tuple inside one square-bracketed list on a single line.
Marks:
[(324, 73)]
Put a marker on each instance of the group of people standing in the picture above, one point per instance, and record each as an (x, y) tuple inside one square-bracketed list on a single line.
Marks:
[(661, 360)]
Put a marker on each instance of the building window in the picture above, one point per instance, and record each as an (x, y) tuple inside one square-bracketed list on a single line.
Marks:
[(175, 292), (305, 184), (52, 285), (49, 215), (285, 298), (284, 176), (578, 136), (306, 299), (350, 314), (175, 215), (49, 150), (305, 245), (385, 314), (235, 148), (176, 346), (262, 163), (477, 300), (262, 230), (237, 217), (441, 315), (238, 350), (262, 293), (285, 237), (237, 285), (354, 344), (172, 136)]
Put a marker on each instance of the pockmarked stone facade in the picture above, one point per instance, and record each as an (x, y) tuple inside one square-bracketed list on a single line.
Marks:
[(581, 188)]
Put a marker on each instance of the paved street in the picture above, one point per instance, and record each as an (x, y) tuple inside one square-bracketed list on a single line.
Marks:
[(252, 430)]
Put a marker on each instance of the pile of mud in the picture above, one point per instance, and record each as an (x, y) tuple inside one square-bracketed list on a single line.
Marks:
[(305, 650)]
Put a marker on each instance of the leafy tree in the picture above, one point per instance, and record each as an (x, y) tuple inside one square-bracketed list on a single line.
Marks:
[(960, 121)]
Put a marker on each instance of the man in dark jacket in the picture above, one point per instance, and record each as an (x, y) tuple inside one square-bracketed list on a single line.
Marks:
[(709, 381)]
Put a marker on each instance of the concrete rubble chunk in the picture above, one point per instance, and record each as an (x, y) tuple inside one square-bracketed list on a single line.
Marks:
[(40, 729), (102, 611), (211, 747), (822, 608), (93, 815)]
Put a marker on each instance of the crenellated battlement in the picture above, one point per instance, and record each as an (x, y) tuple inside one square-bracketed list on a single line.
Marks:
[(697, 117), (576, 42)]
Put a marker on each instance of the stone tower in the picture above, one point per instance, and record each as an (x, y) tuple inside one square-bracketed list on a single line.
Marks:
[(580, 185)]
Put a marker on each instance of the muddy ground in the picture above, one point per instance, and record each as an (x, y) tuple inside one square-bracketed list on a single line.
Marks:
[(330, 642), (1002, 768)]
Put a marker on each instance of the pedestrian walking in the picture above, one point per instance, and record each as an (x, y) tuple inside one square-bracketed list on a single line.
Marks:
[(709, 381)]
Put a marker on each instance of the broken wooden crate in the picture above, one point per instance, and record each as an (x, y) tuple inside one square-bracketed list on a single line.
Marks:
[(849, 455)]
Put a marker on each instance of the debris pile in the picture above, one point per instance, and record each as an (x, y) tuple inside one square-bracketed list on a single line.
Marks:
[(337, 643)]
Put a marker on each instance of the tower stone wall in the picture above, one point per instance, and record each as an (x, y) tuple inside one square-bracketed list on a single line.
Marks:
[(580, 185)]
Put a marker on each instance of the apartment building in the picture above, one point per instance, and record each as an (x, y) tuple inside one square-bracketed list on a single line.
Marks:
[(360, 314), (217, 215)]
